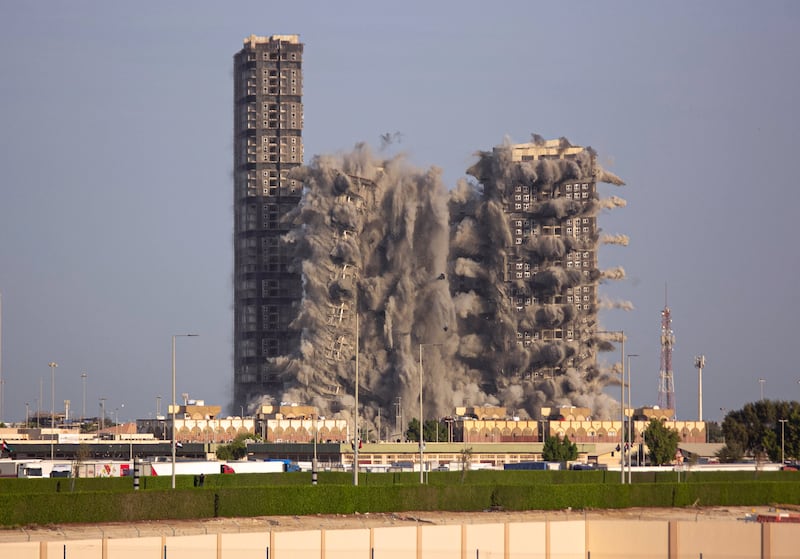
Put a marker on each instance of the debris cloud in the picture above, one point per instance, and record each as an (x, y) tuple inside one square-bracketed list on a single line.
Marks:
[(457, 279)]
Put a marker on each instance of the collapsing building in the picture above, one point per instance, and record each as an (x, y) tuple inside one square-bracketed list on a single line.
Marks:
[(371, 240), (483, 295), (361, 271), (524, 274)]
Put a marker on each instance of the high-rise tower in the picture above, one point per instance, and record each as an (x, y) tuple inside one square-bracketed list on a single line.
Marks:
[(525, 273), (268, 144)]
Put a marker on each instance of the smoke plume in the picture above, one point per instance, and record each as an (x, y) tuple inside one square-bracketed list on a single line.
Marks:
[(394, 263)]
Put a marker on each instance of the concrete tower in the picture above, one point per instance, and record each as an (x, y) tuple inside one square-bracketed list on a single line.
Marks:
[(524, 256), (268, 144)]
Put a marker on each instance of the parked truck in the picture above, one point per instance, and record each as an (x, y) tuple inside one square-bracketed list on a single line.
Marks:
[(253, 467), (207, 467)]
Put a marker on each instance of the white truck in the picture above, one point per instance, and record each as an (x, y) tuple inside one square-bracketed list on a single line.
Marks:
[(207, 467)]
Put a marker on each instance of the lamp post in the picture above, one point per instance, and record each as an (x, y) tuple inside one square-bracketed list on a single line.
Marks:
[(700, 362), (83, 380), (621, 334), (721, 421), (173, 406), (761, 382), (421, 419), (355, 411), (314, 461), (421, 435), (783, 448), (102, 413), (1, 358), (630, 418), (52, 366)]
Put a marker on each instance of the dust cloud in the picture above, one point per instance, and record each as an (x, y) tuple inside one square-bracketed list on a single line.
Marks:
[(425, 273)]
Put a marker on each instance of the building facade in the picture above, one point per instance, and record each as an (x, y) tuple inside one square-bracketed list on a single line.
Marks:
[(268, 145), (558, 219), (525, 274)]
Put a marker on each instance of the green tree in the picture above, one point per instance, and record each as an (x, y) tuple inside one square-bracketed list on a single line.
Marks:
[(714, 432), (434, 431), (557, 449), (730, 453), (662, 442), (237, 448), (466, 459), (757, 429)]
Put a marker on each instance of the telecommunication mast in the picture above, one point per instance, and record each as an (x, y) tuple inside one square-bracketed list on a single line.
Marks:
[(666, 385)]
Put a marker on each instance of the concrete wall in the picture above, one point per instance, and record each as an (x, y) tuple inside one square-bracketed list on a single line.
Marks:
[(643, 539), (719, 539), (572, 539)]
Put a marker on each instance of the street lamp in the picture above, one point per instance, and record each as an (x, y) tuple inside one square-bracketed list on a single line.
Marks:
[(102, 414), (355, 414), (52, 366), (421, 436), (172, 408), (630, 418), (621, 334), (83, 379), (314, 461), (700, 362), (723, 411), (421, 430), (783, 448)]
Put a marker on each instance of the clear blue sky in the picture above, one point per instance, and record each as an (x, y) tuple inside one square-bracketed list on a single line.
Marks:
[(116, 158)]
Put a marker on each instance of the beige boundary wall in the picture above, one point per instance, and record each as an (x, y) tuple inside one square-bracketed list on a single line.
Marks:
[(570, 539)]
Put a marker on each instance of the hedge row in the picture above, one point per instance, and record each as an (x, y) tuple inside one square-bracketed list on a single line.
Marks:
[(208, 502), (495, 477)]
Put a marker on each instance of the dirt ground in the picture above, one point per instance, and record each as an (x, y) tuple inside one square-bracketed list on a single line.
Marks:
[(368, 520)]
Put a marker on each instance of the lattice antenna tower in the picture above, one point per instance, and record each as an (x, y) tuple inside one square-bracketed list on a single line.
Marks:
[(666, 384)]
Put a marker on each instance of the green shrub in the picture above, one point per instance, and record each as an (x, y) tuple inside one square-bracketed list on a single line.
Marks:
[(24, 502)]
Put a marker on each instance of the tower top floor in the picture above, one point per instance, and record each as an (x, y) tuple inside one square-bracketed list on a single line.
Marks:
[(254, 40), (546, 149)]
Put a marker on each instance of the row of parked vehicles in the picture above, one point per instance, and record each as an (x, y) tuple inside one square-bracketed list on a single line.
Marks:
[(113, 468)]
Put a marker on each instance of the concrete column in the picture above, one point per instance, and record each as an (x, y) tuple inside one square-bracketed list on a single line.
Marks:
[(673, 539), (547, 538)]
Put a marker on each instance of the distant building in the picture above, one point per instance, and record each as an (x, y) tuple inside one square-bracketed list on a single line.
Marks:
[(268, 144), (300, 424), (578, 425)]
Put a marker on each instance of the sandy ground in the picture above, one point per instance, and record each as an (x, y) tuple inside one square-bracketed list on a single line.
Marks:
[(332, 522)]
